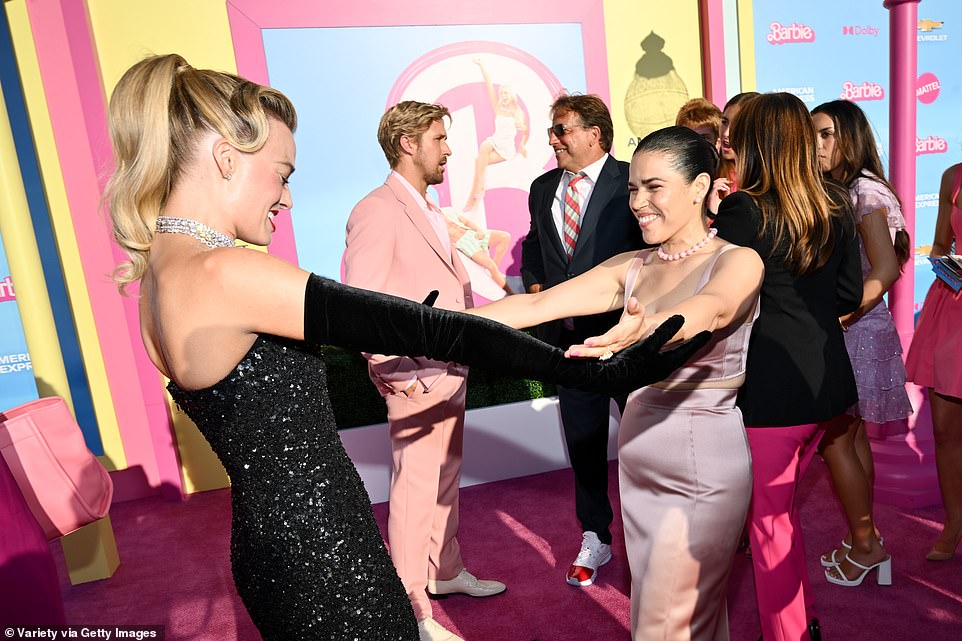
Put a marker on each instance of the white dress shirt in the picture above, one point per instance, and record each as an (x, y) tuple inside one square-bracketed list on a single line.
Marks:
[(584, 187)]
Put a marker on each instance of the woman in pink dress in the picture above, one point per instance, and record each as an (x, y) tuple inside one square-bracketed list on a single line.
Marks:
[(934, 362), (847, 153)]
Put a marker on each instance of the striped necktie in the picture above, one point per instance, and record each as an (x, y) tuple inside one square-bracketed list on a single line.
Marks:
[(572, 215)]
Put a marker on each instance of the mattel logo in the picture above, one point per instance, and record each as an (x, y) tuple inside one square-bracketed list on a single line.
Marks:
[(927, 88), (930, 145), (864, 91), (6, 290), (867, 30), (785, 34)]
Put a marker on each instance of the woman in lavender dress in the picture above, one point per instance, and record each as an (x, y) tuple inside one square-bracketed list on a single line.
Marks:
[(847, 152)]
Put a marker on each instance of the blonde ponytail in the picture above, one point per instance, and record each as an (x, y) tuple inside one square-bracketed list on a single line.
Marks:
[(157, 111)]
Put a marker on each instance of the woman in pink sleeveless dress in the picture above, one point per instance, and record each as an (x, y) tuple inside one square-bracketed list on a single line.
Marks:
[(684, 459), (935, 362)]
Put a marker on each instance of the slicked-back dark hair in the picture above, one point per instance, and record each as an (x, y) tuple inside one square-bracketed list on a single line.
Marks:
[(688, 153)]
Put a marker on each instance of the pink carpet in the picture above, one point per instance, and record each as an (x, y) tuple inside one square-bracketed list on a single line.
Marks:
[(175, 572)]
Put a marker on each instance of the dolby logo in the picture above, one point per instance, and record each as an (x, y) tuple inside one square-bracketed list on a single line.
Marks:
[(866, 30)]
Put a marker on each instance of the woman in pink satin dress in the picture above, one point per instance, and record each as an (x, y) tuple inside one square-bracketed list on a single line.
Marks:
[(684, 463)]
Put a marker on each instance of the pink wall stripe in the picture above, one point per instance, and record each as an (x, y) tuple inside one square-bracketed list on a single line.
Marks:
[(387, 13), (713, 51), (596, 51), (74, 92)]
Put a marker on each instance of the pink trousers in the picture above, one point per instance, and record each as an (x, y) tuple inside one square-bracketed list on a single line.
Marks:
[(427, 433), (780, 456)]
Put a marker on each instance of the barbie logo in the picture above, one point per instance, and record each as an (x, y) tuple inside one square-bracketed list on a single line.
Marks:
[(930, 145), (927, 88), (6, 290), (784, 34), (864, 91)]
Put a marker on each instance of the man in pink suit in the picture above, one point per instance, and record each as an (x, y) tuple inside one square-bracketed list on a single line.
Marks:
[(397, 243)]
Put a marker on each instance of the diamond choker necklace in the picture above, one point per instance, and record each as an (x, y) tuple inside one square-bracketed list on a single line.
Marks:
[(199, 231)]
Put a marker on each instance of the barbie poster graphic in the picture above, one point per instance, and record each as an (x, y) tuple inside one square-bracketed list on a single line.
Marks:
[(499, 97)]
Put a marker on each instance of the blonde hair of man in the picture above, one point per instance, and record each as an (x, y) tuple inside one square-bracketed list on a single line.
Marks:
[(409, 118)]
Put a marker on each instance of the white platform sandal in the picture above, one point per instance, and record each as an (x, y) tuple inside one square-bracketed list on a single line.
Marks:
[(884, 574)]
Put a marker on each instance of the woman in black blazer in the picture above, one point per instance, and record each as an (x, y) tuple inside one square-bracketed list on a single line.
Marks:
[(798, 371)]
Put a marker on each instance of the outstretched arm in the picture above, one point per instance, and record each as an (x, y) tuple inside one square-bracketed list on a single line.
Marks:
[(342, 315), (598, 290), (487, 83)]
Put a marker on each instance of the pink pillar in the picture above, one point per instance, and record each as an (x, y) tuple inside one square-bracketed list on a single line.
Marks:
[(905, 463), (903, 73)]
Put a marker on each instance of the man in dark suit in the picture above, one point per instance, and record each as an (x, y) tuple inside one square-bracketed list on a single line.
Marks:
[(580, 218)]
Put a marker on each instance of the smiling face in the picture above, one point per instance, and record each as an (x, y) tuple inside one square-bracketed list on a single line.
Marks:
[(668, 208), (825, 136), (579, 146), (432, 153), (260, 185)]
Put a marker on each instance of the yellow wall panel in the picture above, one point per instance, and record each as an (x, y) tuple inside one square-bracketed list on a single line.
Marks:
[(642, 103), (125, 32)]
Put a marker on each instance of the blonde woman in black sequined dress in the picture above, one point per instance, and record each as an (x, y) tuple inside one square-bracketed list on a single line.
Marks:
[(203, 158)]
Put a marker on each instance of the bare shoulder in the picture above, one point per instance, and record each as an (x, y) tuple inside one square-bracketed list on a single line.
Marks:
[(206, 310), (740, 257), (251, 275)]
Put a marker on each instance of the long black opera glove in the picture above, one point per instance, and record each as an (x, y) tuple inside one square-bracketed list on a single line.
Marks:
[(336, 314)]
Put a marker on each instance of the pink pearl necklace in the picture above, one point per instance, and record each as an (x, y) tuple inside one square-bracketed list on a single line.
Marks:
[(691, 250)]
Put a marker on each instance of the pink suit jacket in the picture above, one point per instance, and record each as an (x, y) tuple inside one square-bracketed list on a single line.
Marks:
[(392, 248)]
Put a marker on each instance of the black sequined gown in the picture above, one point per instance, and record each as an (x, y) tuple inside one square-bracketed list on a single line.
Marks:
[(306, 554)]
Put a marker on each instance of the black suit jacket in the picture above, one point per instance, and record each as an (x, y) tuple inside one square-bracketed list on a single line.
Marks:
[(608, 228), (798, 369)]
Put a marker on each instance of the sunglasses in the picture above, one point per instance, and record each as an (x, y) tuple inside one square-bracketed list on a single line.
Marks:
[(560, 130)]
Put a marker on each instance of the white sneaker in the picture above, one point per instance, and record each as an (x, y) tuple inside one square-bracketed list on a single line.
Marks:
[(431, 630), (593, 554)]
